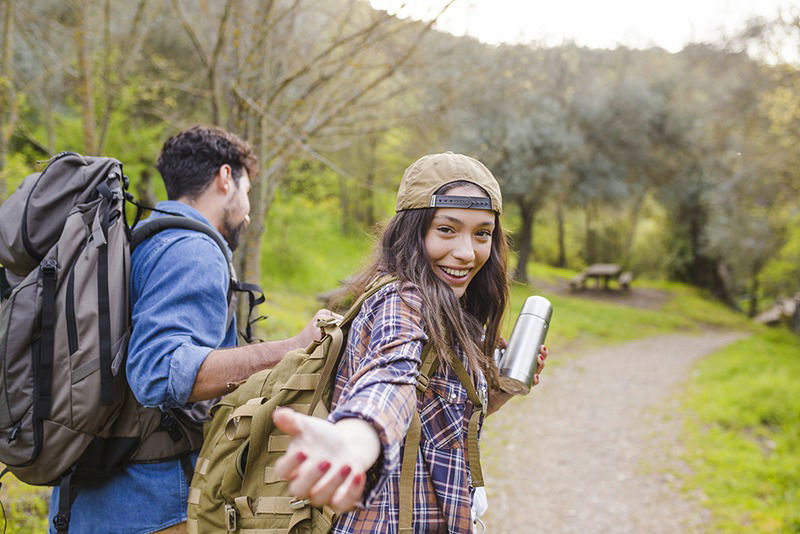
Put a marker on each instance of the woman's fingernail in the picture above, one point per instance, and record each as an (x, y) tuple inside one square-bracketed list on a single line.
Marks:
[(344, 471), (358, 479), (324, 466), (301, 457)]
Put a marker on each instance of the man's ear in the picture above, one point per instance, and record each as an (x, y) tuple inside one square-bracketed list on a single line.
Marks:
[(223, 180)]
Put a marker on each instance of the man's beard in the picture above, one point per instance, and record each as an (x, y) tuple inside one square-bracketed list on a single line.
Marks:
[(232, 233)]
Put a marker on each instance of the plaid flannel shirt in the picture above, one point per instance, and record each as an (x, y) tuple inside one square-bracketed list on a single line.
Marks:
[(376, 382)]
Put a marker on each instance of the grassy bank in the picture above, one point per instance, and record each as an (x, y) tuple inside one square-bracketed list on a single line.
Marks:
[(744, 434)]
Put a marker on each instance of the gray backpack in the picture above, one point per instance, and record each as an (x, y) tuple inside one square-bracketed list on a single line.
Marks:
[(66, 412)]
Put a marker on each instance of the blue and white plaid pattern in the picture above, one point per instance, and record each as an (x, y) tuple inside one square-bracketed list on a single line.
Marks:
[(377, 382)]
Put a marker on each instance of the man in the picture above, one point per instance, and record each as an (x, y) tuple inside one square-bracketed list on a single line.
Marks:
[(182, 348)]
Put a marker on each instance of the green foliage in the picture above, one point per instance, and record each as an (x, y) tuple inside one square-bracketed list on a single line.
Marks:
[(744, 441), (304, 253), (25, 506), (785, 267), (17, 168)]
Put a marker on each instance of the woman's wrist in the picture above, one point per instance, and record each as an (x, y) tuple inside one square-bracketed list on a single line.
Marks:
[(363, 439)]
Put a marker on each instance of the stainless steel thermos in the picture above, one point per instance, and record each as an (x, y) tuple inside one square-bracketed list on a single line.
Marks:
[(518, 360)]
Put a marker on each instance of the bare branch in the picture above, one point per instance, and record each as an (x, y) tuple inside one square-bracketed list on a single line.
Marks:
[(198, 46)]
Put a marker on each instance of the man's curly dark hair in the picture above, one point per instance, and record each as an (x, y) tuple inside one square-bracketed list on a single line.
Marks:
[(190, 159)]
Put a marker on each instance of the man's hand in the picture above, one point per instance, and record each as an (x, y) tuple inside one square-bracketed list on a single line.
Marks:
[(326, 462), (224, 368), (311, 331)]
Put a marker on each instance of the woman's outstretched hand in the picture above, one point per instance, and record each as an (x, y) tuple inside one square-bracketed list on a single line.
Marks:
[(326, 463)]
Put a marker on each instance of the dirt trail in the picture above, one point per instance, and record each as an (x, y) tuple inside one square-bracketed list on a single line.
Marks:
[(592, 449)]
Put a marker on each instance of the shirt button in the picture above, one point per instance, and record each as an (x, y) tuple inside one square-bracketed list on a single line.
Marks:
[(452, 396)]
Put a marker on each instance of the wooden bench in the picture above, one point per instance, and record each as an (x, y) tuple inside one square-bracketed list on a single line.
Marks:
[(625, 280), (578, 282)]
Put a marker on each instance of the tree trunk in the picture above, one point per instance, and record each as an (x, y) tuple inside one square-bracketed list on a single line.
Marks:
[(7, 96), (591, 236), (562, 247), (795, 321), (752, 309), (369, 194), (344, 205), (144, 189), (636, 211), (524, 248), (85, 90)]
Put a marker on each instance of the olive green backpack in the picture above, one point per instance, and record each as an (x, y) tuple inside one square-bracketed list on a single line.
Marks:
[(235, 488)]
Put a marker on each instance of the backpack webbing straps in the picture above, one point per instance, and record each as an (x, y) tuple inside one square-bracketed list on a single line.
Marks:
[(331, 363), (371, 289), (472, 433), (411, 447), (65, 497), (430, 362), (337, 340), (44, 394), (104, 306), (255, 296)]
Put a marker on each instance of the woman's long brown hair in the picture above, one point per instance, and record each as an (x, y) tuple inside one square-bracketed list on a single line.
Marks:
[(448, 321)]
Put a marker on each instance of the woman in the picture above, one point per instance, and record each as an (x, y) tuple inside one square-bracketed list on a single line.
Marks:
[(447, 251)]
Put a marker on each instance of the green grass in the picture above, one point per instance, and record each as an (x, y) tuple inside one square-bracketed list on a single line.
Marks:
[(698, 305), (744, 436)]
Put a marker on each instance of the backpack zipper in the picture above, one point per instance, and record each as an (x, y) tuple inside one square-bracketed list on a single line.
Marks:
[(14, 431)]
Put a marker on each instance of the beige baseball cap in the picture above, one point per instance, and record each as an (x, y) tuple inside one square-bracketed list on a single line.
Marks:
[(429, 173)]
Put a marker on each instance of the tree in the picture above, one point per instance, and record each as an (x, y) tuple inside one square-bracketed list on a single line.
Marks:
[(9, 100), (285, 73)]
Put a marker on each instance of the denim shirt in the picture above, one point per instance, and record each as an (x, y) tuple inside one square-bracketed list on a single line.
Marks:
[(179, 288)]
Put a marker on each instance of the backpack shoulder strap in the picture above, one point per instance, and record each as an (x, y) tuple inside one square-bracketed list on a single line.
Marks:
[(430, 362), (370, 290), (411, 447), (151, 227), (336, 330)]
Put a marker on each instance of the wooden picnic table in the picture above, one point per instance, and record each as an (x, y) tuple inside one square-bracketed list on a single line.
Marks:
[(604, 272)]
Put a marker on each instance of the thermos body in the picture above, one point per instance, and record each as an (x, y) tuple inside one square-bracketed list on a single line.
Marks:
[(518, 361)]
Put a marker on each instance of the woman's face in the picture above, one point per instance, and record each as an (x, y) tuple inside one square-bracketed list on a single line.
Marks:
[(459, 241)]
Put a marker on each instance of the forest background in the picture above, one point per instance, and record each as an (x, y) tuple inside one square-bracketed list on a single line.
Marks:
[(682, 167), (676, 165)]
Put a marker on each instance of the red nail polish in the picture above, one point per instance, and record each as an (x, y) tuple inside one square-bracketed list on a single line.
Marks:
[(358, 479), (324, 466), (301, 457), (344, 471)]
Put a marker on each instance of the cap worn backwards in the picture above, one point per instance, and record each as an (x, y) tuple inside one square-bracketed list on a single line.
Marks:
[(426, 175)]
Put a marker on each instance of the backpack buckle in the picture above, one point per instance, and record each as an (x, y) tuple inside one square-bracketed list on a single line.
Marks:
[(61, 521), (231, 517), (299, 504)]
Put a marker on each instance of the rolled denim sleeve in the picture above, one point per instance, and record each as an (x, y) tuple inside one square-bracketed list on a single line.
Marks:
[(179, 289), (382, 387)]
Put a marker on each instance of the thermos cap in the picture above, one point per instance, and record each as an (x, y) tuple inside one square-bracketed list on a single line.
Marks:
[(539, 307)]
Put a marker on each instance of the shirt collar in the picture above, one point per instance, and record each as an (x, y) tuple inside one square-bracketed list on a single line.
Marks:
[(180, 208)]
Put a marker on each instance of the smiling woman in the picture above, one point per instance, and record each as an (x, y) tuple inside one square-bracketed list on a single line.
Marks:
[(459, 241), (439, 318)]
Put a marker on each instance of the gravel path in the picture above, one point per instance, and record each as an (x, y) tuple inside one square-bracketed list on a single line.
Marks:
[(593, 449)]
